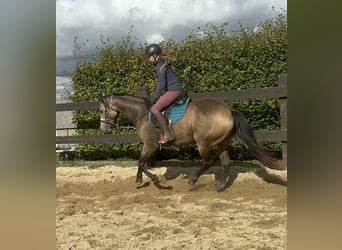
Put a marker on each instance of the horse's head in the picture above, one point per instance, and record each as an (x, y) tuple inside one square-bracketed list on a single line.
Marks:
[(108, 113)]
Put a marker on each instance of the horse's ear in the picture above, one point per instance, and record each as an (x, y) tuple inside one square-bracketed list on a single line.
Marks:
[(101, 97)]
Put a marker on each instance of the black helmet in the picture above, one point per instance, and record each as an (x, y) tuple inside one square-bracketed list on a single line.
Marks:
[(152, 49)]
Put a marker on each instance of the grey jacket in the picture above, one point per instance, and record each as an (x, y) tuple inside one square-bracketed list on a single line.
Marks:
[(167, 80)]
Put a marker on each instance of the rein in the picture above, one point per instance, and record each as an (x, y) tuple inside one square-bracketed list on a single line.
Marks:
[(126, 123), (140, 117), (116, 124)]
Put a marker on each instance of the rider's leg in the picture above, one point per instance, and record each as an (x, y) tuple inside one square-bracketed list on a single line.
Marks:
[(163, 102), (167, 136)]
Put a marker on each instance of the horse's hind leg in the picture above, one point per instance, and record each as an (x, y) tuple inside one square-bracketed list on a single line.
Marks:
[(205, 153), (199, 172), (225, 160)]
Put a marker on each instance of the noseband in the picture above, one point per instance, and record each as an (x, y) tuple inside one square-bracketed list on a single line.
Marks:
[(106, 119)]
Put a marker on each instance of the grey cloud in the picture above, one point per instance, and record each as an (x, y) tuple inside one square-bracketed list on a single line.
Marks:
[(150, 18)]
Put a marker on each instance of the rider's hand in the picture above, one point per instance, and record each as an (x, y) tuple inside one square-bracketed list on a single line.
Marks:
[(153, 99)]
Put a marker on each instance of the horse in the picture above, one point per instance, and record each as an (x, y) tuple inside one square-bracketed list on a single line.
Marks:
[(208, 123)]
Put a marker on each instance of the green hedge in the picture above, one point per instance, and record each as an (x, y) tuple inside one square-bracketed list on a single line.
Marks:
[(208, 59)]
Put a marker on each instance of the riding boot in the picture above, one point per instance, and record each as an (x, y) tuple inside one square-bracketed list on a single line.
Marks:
[(166, 134)]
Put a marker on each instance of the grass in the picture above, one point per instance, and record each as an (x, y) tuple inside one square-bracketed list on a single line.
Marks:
[(128, 162)]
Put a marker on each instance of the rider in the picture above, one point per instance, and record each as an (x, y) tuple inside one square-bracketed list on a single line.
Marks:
[(168, 90)]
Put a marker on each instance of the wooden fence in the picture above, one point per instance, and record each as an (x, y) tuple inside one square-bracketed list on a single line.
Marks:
[(271, 136)]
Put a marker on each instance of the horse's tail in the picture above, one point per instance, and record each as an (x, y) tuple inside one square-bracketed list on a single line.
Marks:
[(244, 131)]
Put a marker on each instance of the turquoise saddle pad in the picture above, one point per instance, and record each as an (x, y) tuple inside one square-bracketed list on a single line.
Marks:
[(177, 112), (175, 115)]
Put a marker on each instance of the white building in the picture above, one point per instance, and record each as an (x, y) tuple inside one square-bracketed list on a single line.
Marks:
[(64, 124)]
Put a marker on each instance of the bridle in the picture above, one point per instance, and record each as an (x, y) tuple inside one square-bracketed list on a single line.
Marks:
[(106, 119)]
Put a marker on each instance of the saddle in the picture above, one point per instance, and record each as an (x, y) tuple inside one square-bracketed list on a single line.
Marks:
[(175, 112)]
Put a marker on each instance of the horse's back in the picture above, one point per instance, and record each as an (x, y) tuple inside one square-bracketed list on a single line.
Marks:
[(207, 118), (211, 105)]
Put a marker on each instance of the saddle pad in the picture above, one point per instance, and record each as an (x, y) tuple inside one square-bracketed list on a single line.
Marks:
[(177, 112)]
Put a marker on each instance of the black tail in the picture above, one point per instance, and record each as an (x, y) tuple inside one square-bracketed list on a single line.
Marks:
[(245, 132)]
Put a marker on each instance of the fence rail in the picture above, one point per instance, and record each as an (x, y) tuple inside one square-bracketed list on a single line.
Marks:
[(272, 136), (257, 93)]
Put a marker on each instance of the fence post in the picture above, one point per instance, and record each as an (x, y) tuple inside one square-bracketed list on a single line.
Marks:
[(282, 81)]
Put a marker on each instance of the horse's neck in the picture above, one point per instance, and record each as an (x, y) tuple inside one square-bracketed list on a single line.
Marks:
[(131, 106)]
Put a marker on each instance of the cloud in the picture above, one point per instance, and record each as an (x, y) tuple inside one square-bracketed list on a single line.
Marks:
[(89, 19)]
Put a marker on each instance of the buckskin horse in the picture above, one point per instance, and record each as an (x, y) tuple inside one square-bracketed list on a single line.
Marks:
[(208, 123)]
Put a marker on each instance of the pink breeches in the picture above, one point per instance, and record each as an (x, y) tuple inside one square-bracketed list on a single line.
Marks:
[(166, 100)]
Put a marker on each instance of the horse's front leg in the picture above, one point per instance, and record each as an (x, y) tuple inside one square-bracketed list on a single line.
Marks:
[(147, 152), (139, 179), (142, 168)]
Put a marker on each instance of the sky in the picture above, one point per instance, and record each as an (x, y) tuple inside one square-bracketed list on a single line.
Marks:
[(91, 19)]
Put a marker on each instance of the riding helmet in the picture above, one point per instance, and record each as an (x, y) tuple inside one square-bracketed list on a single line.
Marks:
[(152, 49)]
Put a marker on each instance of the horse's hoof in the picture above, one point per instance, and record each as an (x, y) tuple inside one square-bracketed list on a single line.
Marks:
[(138, 183), (221, 187), (161, 178), (154, 178), (191, 182)]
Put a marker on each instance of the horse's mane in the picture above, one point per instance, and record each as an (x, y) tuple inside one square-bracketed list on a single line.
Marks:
[(118, 94), (146, 100)]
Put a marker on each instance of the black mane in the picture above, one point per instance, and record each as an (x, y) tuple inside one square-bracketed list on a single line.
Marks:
[(146, 100)]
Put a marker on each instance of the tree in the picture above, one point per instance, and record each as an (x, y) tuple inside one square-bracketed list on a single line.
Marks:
[(208, 59)]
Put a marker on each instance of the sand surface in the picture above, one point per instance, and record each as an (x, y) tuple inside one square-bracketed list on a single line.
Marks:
[(103, 209)]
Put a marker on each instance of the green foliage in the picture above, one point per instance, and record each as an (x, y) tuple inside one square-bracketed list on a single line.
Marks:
[(208, 59)]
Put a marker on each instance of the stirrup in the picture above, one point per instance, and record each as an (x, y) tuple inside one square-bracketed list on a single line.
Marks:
[(161, 140), (169, 138)]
